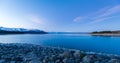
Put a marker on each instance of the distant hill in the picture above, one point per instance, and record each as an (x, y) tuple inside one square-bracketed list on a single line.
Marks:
[(106, 32), (4, 30)]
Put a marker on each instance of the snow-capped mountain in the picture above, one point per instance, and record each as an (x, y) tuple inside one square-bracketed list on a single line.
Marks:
[(20, 30), (12, 29)]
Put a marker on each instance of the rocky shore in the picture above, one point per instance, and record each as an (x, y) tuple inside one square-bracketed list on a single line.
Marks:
[(29, 53)]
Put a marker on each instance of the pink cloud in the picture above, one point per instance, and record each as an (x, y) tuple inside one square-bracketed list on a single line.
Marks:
[(37, 19)]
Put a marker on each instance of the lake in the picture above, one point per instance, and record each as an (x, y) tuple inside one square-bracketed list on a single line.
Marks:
[(84, 42)]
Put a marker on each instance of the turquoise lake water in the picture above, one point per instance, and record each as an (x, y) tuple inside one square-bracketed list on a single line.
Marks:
[(82, 42)]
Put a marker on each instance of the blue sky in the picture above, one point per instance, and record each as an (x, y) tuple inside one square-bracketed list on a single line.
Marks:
[(61, 15)]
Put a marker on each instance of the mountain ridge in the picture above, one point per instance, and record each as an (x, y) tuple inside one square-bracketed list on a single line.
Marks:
[(5, 30)]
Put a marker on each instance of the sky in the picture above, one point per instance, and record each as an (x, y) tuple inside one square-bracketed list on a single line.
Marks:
[(61, 15)]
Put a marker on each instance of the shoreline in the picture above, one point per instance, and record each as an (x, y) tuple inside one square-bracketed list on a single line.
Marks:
[(105, 34), (25, 53)]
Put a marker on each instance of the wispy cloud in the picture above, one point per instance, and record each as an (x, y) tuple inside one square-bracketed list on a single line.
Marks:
[(78, 19), (100, 15), (102, 19), (111, 11), (37, 19)]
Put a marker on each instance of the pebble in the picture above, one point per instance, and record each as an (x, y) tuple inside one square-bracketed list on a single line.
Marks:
[(29, 53)]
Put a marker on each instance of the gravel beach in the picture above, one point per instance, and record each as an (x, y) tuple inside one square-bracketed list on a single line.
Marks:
[(31, 53)]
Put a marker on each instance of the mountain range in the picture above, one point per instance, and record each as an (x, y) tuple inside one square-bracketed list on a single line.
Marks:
[(4, 30)]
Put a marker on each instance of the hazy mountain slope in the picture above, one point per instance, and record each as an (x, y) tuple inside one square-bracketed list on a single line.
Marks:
[(4, 30)]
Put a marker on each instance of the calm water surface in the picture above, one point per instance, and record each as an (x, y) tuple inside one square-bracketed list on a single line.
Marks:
[(83, 42)]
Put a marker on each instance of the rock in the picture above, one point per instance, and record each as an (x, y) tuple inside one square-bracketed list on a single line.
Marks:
[(19, 58), (57, 61), (71, 60), (97, 62), (2, 61), (28, 53), (77, 54), (45, 61), (65, 60), (87, 59), (66, 54), (114, 61)]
